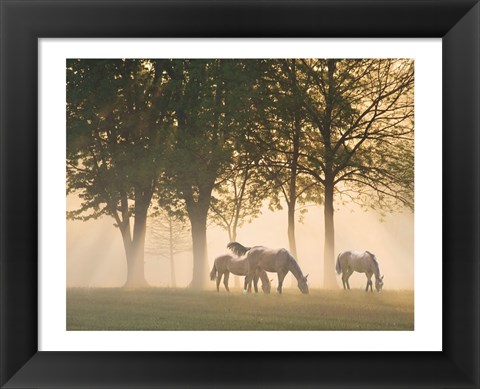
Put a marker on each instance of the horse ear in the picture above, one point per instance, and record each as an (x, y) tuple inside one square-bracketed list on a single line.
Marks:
[(382, 277), (307, 275)]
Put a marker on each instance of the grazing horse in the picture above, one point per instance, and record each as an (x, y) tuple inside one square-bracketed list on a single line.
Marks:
[(350, 261), (271, 260), (226, 264)]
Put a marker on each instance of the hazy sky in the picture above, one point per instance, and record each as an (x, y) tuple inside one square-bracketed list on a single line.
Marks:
[(95, 254)]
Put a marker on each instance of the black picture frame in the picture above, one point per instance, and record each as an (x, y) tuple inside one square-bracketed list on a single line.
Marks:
[(22, 22)]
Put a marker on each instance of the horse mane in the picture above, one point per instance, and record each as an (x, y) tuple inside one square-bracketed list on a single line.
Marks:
[(294, 264), (237, 248), (375, 263)]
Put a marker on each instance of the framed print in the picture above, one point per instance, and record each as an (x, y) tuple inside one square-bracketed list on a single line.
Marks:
[(425, 54), (322, 321)]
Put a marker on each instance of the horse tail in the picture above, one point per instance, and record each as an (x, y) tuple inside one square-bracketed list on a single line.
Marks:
[(213, 273), (237, 248), (338, 268)]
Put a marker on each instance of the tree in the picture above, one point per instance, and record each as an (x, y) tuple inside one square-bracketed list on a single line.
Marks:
[(240, 191), (167, 236), (116, 134), (237, 199), (281, 118), (360, 115), (210, 108)]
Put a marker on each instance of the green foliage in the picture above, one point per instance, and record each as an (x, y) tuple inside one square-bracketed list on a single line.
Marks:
[(282, 136), (193, 123), (212, 101), (116, 134)]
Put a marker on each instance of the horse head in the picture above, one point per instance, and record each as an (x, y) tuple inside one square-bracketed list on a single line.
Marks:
[(303, 284), (379, 284)]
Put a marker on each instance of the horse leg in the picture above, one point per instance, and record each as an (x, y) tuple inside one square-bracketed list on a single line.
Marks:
[(344, 273), (249, 288), (225, 280), (219, 277), (281, 276), (248, 279), (349, 273), (255, 282), (368, 283)]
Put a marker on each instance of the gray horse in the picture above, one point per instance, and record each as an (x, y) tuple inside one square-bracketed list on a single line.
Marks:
[(225, 264), (350, 261), (279, 261)]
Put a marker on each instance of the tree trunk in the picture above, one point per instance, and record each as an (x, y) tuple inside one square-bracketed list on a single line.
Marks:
[(173, 282), (329, 279), (135, 253), (199, 245), (236, 279), (292, 242), (293, 186)]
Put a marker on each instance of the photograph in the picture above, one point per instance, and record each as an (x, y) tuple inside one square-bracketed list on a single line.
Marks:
[(217, 194)]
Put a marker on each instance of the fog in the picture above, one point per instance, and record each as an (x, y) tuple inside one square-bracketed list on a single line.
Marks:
[(96, 258)]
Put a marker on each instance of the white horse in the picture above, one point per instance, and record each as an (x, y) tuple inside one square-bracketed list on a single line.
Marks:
[(226, 264), (262, 259), (350, 261)]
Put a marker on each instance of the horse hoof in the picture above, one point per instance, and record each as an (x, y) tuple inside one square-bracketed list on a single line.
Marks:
[(244, 292)]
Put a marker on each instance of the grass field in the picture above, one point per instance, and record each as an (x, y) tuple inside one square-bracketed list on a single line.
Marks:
[(183, 309)]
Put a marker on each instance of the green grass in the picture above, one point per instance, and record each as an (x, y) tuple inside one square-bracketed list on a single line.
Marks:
[(183, 309)]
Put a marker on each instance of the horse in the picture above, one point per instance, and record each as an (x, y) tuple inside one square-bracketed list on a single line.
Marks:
[(271, 260), (366, 262), (225, 264)]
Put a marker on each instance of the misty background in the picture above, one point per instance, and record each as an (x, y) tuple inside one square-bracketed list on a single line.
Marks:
[(96, 257)]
